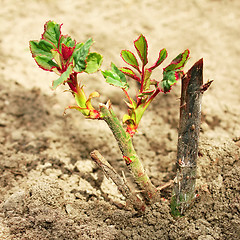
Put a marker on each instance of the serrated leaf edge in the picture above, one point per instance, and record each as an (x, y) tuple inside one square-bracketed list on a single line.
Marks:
[(135, 66), (139, 54)]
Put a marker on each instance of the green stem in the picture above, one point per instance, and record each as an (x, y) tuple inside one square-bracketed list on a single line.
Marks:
[(139, 111), (125, 144)]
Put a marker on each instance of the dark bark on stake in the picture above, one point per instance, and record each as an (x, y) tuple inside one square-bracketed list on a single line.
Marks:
[(110, 172), (188, 137)]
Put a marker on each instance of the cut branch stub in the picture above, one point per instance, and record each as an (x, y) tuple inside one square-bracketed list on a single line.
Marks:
[(188, 138), (110, 172)]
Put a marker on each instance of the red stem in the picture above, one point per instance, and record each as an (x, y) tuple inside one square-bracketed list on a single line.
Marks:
[(142, 79), (127, 95), (72, 83), (141, 89), (157, 91)]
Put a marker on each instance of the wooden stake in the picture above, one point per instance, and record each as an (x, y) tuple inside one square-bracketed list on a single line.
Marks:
[(188, 138)]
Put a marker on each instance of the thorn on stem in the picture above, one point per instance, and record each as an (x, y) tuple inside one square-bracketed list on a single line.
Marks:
[(183, 105), (180, 162), (205, 86)]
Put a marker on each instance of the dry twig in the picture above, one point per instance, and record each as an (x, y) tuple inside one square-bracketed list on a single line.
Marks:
[(110, 172)]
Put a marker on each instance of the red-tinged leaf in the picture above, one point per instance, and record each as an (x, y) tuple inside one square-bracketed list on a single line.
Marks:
[(147, 80), (178, 62), (52, 32), (132, 105), (130, 58), (142, 48), (80, 55), (115, 77), (94, 61), (162, 56), (129, 72), (173, 71), (67, 41), (154, 82), (78, 46), (63, 78), (57, 57), (45, 63), (41, 47), (169, 79), (146, 93)]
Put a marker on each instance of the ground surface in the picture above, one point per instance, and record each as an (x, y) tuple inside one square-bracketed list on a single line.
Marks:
[(49, 187)]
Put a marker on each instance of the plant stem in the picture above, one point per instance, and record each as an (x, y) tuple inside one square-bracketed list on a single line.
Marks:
[(72, 83), (142, 79), (157, 91), (188, 137), (125, 144), (110, 172)]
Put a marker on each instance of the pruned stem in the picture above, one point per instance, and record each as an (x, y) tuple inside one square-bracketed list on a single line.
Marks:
[(188, 137), (130, 156), (110, 172)]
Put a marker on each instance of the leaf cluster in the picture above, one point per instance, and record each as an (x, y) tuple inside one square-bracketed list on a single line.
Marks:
[(61, 54), (149, 88)]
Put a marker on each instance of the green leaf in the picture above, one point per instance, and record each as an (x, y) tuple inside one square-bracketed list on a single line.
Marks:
[(78, 46), (94, 61), (169, 79), (67, 41), (130, 58), (147, 80), (129, 72), (162, 56), (142, 48), (45, 62), (119, 73), (63, 78), (178, 62), (115, 77), (132, 104), (52, 32), (41, 47), (57, 57), (173, 71), (80, 55)]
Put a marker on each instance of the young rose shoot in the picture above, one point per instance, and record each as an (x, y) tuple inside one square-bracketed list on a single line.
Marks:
[(61, 54), (149, 88)]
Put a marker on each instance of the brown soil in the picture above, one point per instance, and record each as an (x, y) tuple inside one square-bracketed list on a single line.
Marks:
[(50, 189)]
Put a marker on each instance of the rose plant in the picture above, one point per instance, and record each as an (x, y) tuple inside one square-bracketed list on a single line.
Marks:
[(68, 58)]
